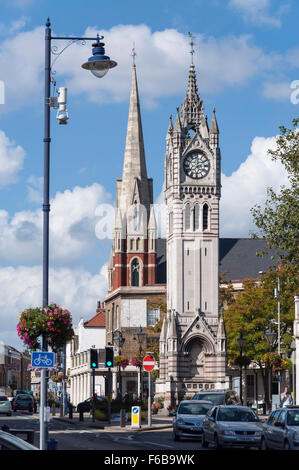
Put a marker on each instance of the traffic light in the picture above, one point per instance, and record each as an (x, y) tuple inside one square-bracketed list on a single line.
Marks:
[(109, 356), (94, 358)]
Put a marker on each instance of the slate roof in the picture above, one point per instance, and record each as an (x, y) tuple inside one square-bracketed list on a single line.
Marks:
[(237, 257)]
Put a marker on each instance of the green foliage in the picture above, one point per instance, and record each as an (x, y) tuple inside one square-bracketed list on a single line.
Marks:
[(278, 220), (253, 310)]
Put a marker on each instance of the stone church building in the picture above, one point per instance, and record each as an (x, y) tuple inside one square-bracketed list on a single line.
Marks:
[(175, 279)]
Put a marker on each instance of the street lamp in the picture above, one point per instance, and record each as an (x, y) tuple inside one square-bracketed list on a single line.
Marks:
[(100, 62), (241, 342), (140, 335), (270, 337)]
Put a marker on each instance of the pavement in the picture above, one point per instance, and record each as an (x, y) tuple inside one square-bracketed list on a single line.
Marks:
[(159, 421)]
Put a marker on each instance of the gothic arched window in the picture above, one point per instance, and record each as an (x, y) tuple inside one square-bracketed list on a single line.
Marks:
[(205, 217), (135, 273), (187, 216), (196, 218)]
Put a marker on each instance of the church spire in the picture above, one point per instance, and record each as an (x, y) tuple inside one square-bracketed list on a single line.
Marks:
[(135, 187)]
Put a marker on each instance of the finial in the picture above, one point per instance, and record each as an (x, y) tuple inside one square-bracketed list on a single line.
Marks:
[(48, 23), (133, 54), (191, 44)]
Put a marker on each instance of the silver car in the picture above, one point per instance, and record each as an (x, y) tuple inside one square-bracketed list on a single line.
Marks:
[(189, 418), (281, 431), (229, 426), (5, 405)]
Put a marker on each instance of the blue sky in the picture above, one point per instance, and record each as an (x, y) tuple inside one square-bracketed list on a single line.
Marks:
[(246, 58)]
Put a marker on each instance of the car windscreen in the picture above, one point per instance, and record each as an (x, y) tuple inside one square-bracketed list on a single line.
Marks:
[(215, 398), (194, 408), (232, 414), (24, 398), (293, 418)]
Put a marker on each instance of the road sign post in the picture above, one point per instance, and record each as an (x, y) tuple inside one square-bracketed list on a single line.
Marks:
[(149, 363), (43, 360)]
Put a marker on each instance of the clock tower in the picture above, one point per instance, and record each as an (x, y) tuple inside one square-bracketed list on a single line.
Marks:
[(192, 341)]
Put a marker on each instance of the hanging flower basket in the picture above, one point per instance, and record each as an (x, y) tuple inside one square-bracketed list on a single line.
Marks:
[(240, 361), (137, 361), (274, 361), (122, 361), (52, 320)]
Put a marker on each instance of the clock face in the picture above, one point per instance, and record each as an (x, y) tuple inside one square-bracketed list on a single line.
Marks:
[(196, 165)]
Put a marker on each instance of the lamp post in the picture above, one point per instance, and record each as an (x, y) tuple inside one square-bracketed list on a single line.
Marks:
[(270, 337), (140, 336), (277, 296), (98, 64), (241, 341)]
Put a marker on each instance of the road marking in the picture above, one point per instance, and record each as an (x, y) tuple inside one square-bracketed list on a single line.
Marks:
[(156, 444)]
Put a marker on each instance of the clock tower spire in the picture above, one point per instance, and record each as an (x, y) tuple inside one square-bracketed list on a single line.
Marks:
[(192, 194)]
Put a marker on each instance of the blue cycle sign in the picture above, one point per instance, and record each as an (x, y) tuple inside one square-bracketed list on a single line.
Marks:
[(42, 359)]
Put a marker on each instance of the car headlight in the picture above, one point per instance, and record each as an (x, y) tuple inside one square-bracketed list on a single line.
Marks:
[(258, 433), (180, 421)]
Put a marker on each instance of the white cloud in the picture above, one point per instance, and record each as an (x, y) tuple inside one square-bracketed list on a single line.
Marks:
[(278, 91), (247, 186), (21, 287), (257, 11), (72, 228), (162, 61), (11, 160)]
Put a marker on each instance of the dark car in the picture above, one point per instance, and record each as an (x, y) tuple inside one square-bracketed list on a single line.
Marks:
[(23, 402), (219, 397), (86, 405)]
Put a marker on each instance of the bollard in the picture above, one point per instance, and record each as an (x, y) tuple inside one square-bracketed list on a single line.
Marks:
[(52, 444), (70, 411), (61, 411), (81, 417), (122, 418), (53, 409)]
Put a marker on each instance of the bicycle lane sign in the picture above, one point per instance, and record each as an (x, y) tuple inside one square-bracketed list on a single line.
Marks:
[(42, 359)]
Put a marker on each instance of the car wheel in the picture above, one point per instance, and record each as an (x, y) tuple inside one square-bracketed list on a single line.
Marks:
[(204, 443), (218, 446), (263, 444), (286, 445)]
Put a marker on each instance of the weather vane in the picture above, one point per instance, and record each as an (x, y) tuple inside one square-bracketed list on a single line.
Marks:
[(133, 53), (192, 51)]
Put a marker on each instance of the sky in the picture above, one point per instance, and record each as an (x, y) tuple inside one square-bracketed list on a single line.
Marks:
[(247, 64)]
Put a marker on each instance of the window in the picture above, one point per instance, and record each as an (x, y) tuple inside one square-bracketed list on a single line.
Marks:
[(135, 272), (205, 217), (187, 216), (153, 316), (196, 218)]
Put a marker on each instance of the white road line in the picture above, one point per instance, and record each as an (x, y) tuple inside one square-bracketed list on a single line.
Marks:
[(155, 444)]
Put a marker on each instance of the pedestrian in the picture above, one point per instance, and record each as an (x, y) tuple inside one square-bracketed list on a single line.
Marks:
[(286, 398)]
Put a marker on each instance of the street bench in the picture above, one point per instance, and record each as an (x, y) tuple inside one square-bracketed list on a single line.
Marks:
[(16, 432)]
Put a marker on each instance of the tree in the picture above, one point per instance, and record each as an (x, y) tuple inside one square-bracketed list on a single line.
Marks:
[(254, 311), (278, 221)]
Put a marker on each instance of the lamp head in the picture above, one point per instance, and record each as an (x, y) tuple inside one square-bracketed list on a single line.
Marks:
[(99, 63)]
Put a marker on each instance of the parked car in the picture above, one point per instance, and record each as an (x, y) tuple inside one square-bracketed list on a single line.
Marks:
[(228, 426), (23, 402), (5, 405), (86, 405), (189, 418), (281, 431), (11, 442), (219, 397)]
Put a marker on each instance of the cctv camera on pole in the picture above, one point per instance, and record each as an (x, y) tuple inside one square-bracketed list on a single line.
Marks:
[(62, 114)]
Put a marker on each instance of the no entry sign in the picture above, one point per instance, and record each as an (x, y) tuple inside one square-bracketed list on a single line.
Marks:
[(148, 363)]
